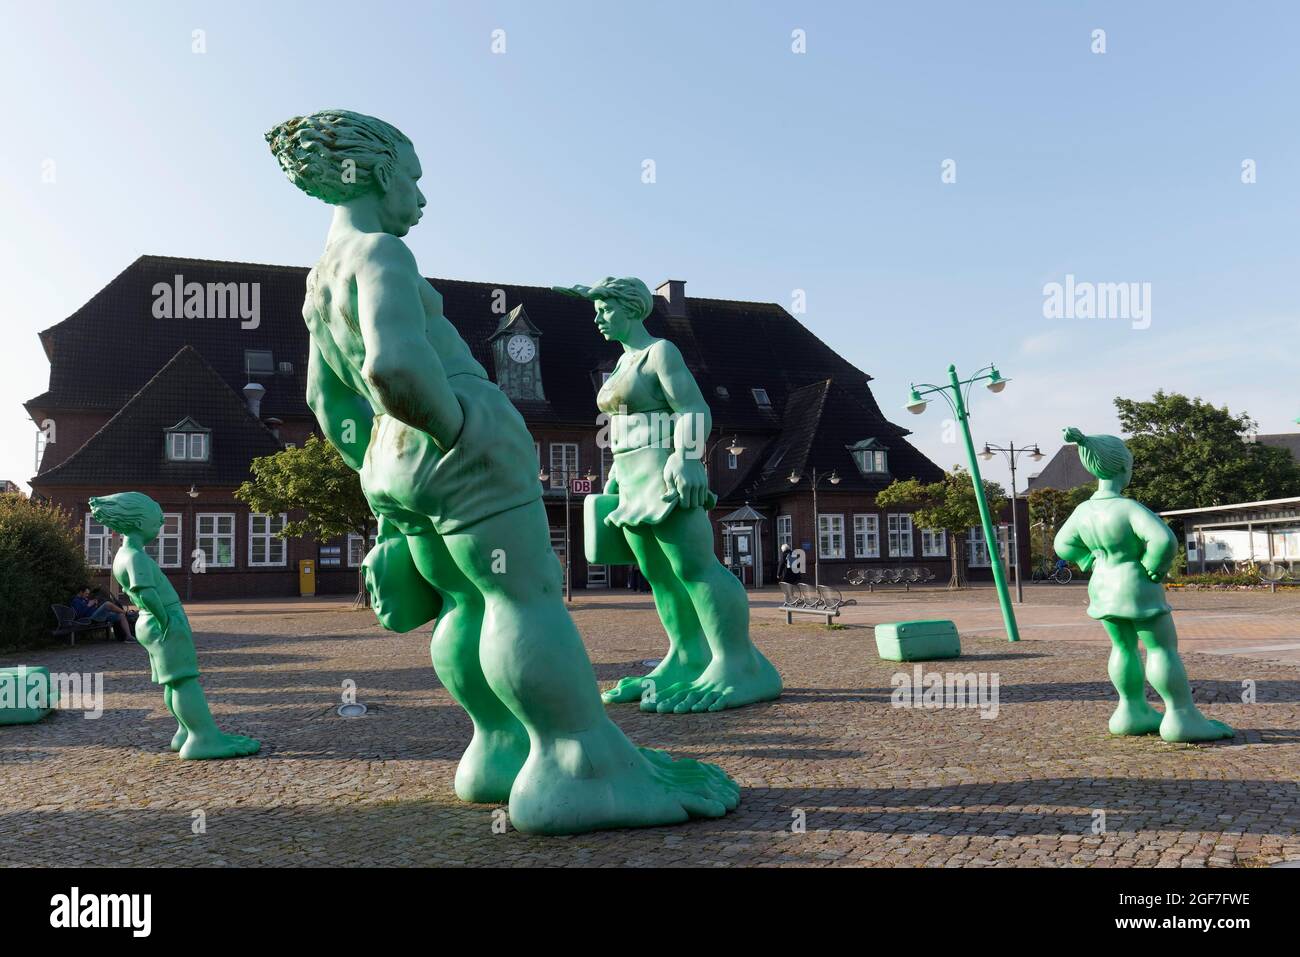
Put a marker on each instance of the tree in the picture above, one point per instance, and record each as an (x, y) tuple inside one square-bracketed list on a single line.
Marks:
[(42, 563), (315, 482), (1051, 507), (949, 504), (1190, 454)]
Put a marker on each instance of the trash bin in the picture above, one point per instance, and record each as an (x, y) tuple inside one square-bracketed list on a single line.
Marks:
[(306, 577)]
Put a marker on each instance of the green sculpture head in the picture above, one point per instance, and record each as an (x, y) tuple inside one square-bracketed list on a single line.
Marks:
[(1105, 456), (621, 304), (350, 159), (128, 513)]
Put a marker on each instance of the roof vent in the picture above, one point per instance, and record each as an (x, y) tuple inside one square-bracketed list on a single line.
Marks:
[(673, 291), (253, 393)]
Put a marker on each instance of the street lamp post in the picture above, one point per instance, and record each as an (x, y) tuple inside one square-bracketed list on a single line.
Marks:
[(569, 475), (1012, 453), (193, 493), (834, 478), (952, 394)]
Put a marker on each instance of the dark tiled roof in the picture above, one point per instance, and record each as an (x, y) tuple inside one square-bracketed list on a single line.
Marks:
[(1283, 440), (821, 421), (1063, 471), (129, 449)]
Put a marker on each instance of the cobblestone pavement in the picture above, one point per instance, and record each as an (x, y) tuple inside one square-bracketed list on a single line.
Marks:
[(872, 784)]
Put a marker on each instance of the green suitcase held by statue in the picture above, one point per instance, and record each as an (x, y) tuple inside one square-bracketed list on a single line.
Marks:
[(917, 640), (603, 544)]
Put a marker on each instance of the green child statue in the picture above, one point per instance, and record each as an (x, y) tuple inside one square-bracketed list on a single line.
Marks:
[(164, 630), (659, 422), (1129, 550), (447, 463)]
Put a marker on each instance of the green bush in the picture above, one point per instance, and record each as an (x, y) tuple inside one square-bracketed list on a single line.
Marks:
[(41, 564), (1215, 578)]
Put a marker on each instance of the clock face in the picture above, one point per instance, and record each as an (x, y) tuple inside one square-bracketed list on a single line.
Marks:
[(521, 348)]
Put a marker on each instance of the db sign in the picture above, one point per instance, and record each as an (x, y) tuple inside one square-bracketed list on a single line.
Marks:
[(580, 486)]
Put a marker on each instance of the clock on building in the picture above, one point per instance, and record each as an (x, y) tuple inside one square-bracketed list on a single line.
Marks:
[(515, 355), (521, 348)]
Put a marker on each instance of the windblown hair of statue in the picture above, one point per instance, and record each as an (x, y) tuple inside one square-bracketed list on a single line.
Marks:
[(126, 511), (1105, 456), (333, 155), (629, 292)]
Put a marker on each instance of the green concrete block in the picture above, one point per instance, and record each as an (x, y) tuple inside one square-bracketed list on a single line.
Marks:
[(26, 694), (917, 640)]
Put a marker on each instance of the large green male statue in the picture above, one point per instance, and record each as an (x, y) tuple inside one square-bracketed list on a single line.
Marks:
[(658, 425), (163, 628), (447, 462), (1129, 550)]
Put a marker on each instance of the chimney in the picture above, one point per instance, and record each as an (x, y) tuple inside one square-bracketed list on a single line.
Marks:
[(253, 393), (673, 292), (274, 424)]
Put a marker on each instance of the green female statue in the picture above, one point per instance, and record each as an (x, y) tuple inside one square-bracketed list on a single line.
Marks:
[(658, 426), (447, 463), (163, 628), (1129, 550)]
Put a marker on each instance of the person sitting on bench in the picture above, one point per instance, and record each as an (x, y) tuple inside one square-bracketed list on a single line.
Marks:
[(87, 606)]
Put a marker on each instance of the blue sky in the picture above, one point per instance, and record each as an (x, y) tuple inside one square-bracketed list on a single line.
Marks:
[(775, 172)]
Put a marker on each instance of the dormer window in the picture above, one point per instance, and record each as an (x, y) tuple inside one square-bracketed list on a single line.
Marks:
[(870, 456), (761, 398), (187, 441), (258, 362)]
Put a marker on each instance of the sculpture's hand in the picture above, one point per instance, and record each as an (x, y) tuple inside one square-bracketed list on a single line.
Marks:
[(686, 481), (611, 480), (1086, 561)]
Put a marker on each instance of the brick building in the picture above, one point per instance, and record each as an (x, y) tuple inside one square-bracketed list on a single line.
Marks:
[(189, 401)]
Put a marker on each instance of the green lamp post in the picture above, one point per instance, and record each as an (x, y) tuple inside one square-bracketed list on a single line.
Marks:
[(952, 393)]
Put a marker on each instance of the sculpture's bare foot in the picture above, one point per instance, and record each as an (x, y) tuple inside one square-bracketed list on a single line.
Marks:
[(489, 766), (671, 671), (178, 739), (723, 684), (598, 779), (1134, 720), (217, 746), (1190, 725)]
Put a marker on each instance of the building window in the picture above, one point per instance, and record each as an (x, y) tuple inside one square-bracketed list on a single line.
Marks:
[(265, 546), (99, 544), (606, 463), (934, 543), (258, 362), (166, 548), (830, 536), (761, 398), (900, 536), (187, 446), (330, 556), (871, 461), (977, 552), (733, 460), (784, 532), (215, 538), (357, 550), (564, 463), (866, 536)]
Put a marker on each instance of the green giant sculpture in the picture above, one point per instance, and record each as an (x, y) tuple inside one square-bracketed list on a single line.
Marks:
[(163, 628), (1129, 550), (448, 465), (658, 426)]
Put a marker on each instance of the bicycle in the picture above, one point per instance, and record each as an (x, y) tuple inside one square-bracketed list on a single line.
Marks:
[(1059, 572)]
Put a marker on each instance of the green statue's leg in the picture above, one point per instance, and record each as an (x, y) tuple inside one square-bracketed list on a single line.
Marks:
[(499, 747), (582, 774), (1182, 720), (1133, 715), (178, 739), (738, 674), (205, 741), (688, 650)]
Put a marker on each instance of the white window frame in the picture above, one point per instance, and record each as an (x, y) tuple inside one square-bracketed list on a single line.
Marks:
[(866, 535), (834, 522), (934, 543), (872, 461), (560, 472), (100, 538), (157, 549), (784, 532), (898, 537), (269, 537), (355, 555), (215, 536), (334, 560), (733, 461), (977, 553)]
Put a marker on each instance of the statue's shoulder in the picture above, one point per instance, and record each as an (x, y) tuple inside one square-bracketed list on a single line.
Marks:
[(382, 251)]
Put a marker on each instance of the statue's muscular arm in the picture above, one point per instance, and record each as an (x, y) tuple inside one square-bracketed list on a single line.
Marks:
[(691, 431), (401, 367), (1069, 545), (345, 417)]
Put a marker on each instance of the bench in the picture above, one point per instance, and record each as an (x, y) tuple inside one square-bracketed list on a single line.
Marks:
[(871, 577), (802, 599), (69, 624)]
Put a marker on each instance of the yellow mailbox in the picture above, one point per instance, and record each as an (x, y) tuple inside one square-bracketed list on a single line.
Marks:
[(306, 577)]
